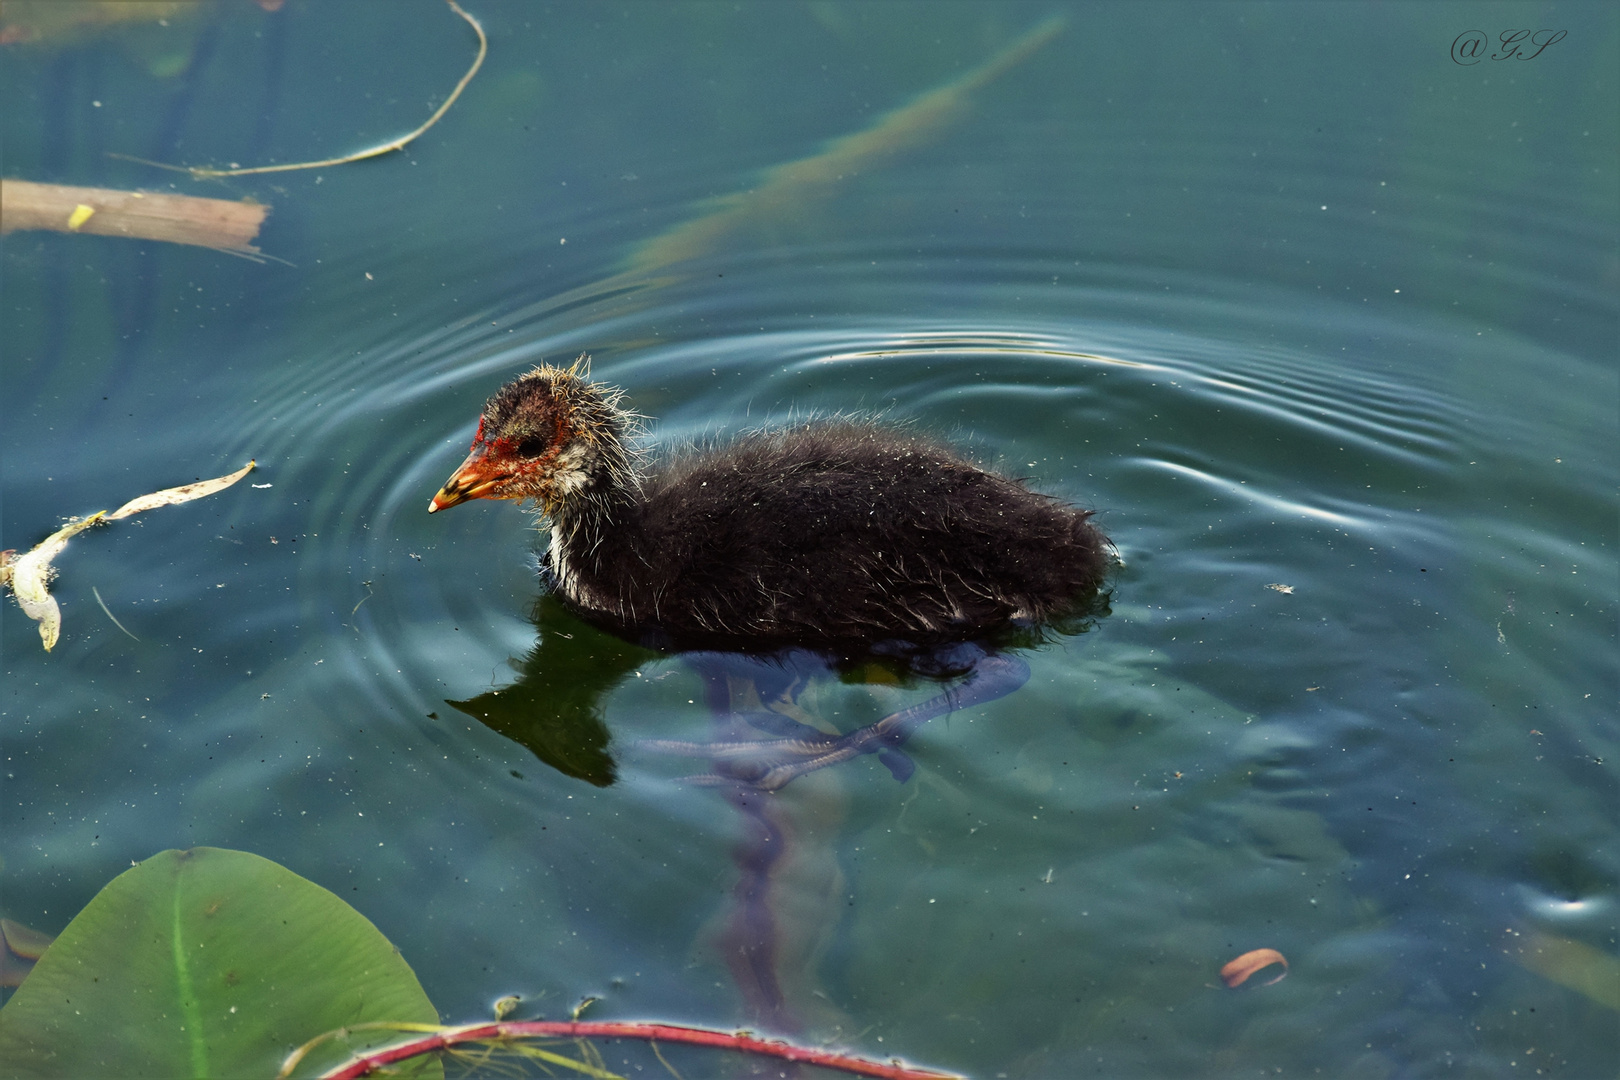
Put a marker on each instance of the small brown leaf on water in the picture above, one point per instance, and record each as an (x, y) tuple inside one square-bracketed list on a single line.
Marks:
[(1237, 972), (176, 495)]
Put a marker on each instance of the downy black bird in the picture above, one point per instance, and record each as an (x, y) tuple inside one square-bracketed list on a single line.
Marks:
[(827, 535)]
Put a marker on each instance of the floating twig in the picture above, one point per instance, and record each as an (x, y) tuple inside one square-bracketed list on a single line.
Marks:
[(202, 173), (178, 219)]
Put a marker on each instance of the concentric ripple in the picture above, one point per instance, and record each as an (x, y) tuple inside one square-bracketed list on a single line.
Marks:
[(1074, 394)]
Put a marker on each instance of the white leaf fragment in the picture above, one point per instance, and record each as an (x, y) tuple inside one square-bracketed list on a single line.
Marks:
[(29, 575), (176, 495)]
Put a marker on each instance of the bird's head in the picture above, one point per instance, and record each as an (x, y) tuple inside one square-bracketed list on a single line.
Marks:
[(548, 435)]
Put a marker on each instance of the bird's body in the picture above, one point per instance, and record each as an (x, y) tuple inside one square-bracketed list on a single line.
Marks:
[(820, 533)]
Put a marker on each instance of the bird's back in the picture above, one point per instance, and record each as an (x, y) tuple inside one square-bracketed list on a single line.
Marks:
[(834, 531)]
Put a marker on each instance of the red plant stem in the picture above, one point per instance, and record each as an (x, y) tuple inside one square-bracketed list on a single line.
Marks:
[(366, 1064)]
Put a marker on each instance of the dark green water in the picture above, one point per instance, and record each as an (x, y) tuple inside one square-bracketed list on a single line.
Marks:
[(1284, 292)]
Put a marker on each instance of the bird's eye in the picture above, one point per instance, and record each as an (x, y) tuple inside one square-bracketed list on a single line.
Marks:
[(532, 446)]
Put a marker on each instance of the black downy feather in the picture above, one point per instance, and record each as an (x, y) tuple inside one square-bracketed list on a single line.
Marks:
[(823, 532)]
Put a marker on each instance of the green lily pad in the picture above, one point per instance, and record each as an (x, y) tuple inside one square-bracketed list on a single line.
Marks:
[(207, 963)]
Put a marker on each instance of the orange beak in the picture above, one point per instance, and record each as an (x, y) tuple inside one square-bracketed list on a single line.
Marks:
[(474, 479)]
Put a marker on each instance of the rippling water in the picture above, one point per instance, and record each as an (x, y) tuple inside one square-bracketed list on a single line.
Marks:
[(1324, 333)]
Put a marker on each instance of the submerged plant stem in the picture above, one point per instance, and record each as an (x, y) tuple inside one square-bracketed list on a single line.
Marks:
[(436, 1039)]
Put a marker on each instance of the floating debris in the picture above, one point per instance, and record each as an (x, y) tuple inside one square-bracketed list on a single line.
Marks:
[(29, 576), (220, 224), (108, 611), (182, 494), (1237, 972), (201, 173)]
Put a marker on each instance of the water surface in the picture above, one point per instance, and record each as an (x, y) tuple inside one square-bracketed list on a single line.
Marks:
[(1320, 322)]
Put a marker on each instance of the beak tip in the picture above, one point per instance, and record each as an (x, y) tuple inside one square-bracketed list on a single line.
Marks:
[(475, 479)]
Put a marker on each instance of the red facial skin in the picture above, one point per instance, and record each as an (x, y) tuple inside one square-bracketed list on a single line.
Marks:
[(494, 470)]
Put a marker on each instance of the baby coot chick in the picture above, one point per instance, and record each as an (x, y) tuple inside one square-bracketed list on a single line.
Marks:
[(825, 532)]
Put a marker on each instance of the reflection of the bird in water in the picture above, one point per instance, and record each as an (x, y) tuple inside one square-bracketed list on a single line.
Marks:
[(555, 706), (763, 738)]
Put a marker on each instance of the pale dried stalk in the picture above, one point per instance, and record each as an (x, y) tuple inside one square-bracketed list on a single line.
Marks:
[(140, 215)]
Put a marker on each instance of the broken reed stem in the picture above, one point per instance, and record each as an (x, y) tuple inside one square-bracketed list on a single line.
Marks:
[(201, 173), (445, 1038), (178, 219)]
